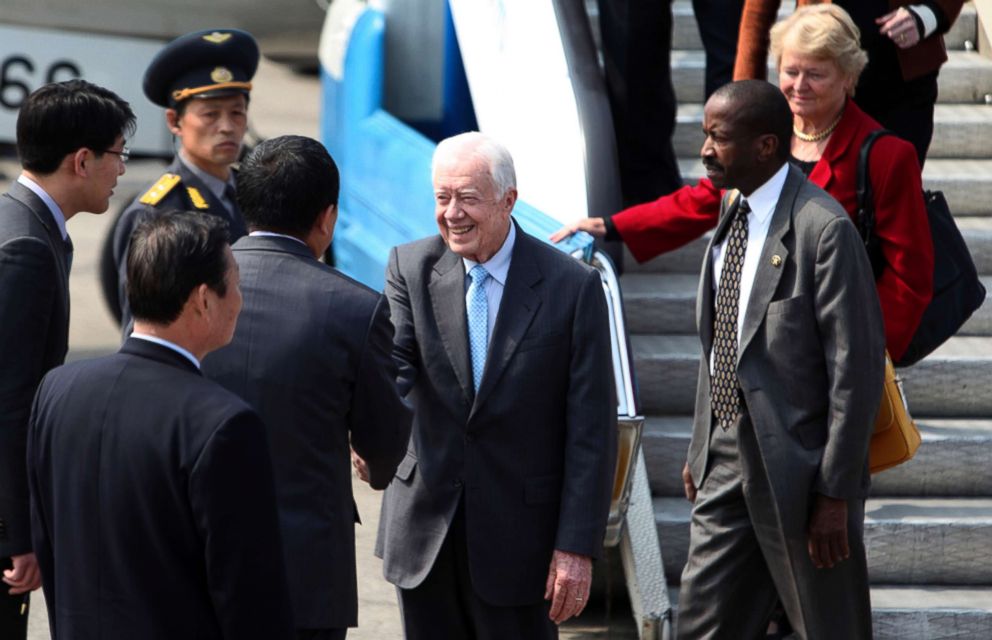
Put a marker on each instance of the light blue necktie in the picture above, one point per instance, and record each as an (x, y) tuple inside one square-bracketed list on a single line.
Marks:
[(477, 308)]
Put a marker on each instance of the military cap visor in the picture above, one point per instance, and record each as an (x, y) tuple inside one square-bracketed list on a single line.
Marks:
[(203, 64)]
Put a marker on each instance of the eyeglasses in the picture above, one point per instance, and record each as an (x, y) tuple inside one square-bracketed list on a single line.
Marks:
[(124, 154)]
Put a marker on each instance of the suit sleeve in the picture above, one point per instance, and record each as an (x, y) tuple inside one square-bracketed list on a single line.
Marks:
[(28, 277), (849, 323), (757, 18), (234, 506), (591, 427), (404, 339), (379, 417), (905, 285), (670, 221), (41, 540)]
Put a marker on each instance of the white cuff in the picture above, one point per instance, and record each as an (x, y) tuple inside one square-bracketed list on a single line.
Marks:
[(927, 16)]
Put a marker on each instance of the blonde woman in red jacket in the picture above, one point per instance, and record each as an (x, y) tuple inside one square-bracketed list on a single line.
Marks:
[(905, 46), (819, 62)]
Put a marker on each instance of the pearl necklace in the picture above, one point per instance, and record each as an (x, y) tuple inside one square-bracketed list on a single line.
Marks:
[(816, 137)]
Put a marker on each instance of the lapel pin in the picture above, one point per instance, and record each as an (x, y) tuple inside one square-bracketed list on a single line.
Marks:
[(776, 261)]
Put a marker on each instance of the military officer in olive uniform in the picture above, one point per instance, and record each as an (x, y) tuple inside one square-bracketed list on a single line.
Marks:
[(203, 80)]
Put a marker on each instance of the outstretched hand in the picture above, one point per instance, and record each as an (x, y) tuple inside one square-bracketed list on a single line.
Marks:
[(900, 27), (593, 226)]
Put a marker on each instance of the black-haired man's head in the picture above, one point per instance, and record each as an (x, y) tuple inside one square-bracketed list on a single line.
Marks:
[(748, 128)]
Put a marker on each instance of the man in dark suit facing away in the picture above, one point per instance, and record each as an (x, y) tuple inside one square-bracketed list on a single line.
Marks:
[(504, 350), (312, 354), (70, 139), (153, 508)]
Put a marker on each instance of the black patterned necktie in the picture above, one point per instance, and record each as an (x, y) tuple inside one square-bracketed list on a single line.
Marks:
[(724, 387)]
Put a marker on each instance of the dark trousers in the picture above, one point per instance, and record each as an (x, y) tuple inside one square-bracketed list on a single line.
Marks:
[(321, 634), (637, 42), (719, 22), (446, 606), (13, 624), (905, 108)]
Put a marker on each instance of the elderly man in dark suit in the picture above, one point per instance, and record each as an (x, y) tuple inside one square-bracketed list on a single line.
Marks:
[(153, 508), (788, 389), (503, 345), (70, 138), (312, 353)]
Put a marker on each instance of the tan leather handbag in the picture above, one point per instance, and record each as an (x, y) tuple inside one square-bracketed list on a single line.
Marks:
[(896, 437)]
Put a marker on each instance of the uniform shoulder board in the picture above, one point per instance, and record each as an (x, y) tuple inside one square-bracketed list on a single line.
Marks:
[(160, 189), (197, 198)]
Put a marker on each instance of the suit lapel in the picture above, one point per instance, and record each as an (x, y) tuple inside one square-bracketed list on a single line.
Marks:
[(767, 275), (516, 311), (447, 291)]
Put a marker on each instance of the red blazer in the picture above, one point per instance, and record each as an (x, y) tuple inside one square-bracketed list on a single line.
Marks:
[(758, 16), (905, 285)]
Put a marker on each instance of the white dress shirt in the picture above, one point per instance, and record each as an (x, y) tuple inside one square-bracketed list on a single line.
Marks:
[(763, 202), (273, 234), (47, 199), (498, 267), (168, 345)]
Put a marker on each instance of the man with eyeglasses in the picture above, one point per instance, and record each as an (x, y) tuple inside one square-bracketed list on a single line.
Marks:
[(70, 139), (203, 80)]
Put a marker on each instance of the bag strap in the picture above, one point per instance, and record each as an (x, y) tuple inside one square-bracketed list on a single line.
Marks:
[(866, 204)]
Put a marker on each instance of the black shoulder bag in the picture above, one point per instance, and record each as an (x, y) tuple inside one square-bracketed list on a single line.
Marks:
[(957, 291)]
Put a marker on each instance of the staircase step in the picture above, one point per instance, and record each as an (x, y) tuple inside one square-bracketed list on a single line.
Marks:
[(966, 183), (954, 459), (667, 302), (953, 382), (926, 541), (977, 232), (960, 131), (965, 78), (923, 612)]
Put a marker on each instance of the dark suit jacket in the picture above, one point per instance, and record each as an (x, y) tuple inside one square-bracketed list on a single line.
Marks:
[(759, 16), (34, 335), (532, 454), (312, 354), (153, 510), (177, 198), (811, 355)]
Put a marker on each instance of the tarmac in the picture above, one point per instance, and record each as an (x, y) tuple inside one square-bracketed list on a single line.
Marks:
[(282, 103)]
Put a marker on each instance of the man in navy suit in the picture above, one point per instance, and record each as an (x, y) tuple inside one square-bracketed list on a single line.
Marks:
[(489, 528), (313, 355), (70, 139), (153, 507)]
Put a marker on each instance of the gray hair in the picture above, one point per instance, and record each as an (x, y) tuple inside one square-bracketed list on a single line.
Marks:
[(497, 158)]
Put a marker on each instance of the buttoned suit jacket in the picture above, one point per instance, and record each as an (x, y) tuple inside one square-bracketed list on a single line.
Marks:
[(811, 354), (179, 199), (34, 336), (312, 353), (153, 510), (532, 454)]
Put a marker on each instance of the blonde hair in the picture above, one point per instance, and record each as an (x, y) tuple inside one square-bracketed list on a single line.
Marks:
[(822, 31)]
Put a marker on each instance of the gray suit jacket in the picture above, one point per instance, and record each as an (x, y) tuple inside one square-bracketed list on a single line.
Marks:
[(811, 355), (34, 336), (312, 354), (531, 456)]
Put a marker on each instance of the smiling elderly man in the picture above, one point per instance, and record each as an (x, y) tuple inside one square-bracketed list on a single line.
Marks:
[(503, 346)]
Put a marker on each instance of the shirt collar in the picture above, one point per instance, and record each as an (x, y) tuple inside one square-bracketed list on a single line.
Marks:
[(498, 266), (215, 184), (168, 345), (763, 199), (49, 202), (273, 234)]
